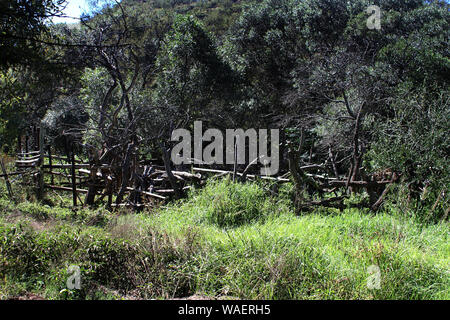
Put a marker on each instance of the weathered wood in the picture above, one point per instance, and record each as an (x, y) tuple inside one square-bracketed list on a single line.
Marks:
[(147, 193), (19, 144), (8, 184), (170, 175), (22, 154), (64, 188), (220, 175), (85, 171), (235, 161), (240, 174), (26, 144), (49, 150), (355, 174), (170, 190), (184, 174), (74, 182), (33, 157), (125, 172), (333, 163), (41, 163), (380, 200), (67, 166), (341, 183), (27, 155), (26, 162), (94, 186), (244, 174)]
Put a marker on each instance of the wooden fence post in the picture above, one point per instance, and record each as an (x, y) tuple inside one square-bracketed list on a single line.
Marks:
[(52, 179), (19, 143), (26, 144), (41, 163), (235, 160), (8, 184), (170, 175), (74, 182)]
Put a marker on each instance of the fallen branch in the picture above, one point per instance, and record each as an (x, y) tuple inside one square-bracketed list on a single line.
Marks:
[(380, 200), (341, 183), (147, 193), (66, 166), (64, 188), (224, 172)]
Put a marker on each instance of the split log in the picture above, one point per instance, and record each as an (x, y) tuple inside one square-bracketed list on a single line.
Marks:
[(27, 162), (224, 172), (64, 188), (74, 183), (22, 154), (36, 157), (67, 166), (170, 190), (187, 175)]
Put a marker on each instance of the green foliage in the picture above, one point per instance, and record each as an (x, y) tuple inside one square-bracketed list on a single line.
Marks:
[(180, 250), (312, 66), (416, 143), (228, 204), (193, 80), (20, 22), (31, 258), (416, 140), (11, 107), (318, 256)]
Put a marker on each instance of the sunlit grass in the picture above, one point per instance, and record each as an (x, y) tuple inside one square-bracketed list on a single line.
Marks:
[(233, 240)]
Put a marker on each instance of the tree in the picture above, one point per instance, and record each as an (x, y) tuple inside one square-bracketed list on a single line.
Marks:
[(193, 80), (22, 23)]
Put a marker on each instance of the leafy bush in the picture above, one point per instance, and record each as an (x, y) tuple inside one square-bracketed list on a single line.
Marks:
[(228, 204), (416, 143)]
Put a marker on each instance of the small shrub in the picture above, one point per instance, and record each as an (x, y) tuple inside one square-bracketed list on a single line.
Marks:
[(228, 204)]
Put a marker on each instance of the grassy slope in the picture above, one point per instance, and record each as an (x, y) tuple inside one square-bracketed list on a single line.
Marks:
[(230, 240)]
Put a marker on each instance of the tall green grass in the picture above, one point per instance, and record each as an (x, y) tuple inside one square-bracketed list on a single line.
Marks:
[(226, 240)]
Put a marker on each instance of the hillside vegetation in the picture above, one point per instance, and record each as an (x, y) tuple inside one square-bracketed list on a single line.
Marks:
[(356, 91)]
